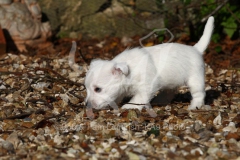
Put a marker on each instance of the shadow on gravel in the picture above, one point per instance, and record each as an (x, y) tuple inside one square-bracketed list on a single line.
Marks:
[(169, 96)]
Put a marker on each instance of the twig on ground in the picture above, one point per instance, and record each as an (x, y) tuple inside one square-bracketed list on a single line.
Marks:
[(23, 115), (156, 30), (215, 11), (19, 116), (65, 80), (211, 110), (84, 59), (234, 15), (47, 118)]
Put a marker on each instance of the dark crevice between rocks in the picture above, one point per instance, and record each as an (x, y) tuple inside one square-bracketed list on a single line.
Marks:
[(104, 6), (11, 46)]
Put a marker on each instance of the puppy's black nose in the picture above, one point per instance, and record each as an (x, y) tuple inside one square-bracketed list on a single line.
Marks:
[(88, 104)]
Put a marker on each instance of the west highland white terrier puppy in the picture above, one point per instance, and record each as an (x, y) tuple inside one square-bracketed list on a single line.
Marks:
[(141, 72)]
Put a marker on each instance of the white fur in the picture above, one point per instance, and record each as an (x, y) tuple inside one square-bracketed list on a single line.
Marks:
[(141, 72)]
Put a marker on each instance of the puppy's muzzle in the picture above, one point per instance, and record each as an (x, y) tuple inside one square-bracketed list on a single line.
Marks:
[(89, 110), (88, 104)]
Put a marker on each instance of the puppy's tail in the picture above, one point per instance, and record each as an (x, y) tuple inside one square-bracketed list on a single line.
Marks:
[(206, 37)]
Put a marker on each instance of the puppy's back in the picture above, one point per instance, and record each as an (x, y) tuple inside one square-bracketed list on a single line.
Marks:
[(175, 63)]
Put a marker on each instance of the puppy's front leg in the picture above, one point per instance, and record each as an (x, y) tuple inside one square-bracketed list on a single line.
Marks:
[(139, 98)]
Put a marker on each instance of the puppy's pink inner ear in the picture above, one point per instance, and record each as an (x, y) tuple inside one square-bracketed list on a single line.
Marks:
[(116, 71), (120, 68)]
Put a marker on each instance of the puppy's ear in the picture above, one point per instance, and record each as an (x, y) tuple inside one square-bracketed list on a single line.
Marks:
[(120, 68), (95, 62)]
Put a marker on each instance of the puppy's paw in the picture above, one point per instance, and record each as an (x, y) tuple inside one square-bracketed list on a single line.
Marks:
[(192, 107), (196, 103), (131, 106)]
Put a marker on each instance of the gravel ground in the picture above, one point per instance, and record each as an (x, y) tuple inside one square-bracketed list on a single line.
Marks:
[(42, 110)]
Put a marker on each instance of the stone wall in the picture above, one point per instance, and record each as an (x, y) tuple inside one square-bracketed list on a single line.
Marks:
[(101, 18)]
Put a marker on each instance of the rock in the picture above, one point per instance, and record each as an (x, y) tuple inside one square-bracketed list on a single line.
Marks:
[(22, 24), (69, 14), (218, 120), (101, 18), (230, 128), (14, 139), (133, 156), (154, 21), (149, 5), (205, 135), (125, 26), (22, 153), (197, 126), (132, 115), (92, 25), (7, 146)]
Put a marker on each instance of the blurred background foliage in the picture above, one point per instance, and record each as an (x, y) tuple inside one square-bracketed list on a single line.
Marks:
[(191, 16)]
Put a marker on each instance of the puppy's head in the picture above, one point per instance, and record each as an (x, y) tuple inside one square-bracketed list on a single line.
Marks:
[(104, 82)]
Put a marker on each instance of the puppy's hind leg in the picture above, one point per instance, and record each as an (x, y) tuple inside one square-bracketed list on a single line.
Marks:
[(196, 85)]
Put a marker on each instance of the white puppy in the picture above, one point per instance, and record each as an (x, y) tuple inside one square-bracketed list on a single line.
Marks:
[(141, 72)]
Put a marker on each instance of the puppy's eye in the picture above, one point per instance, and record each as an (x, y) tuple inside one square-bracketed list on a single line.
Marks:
[(98, 90)]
